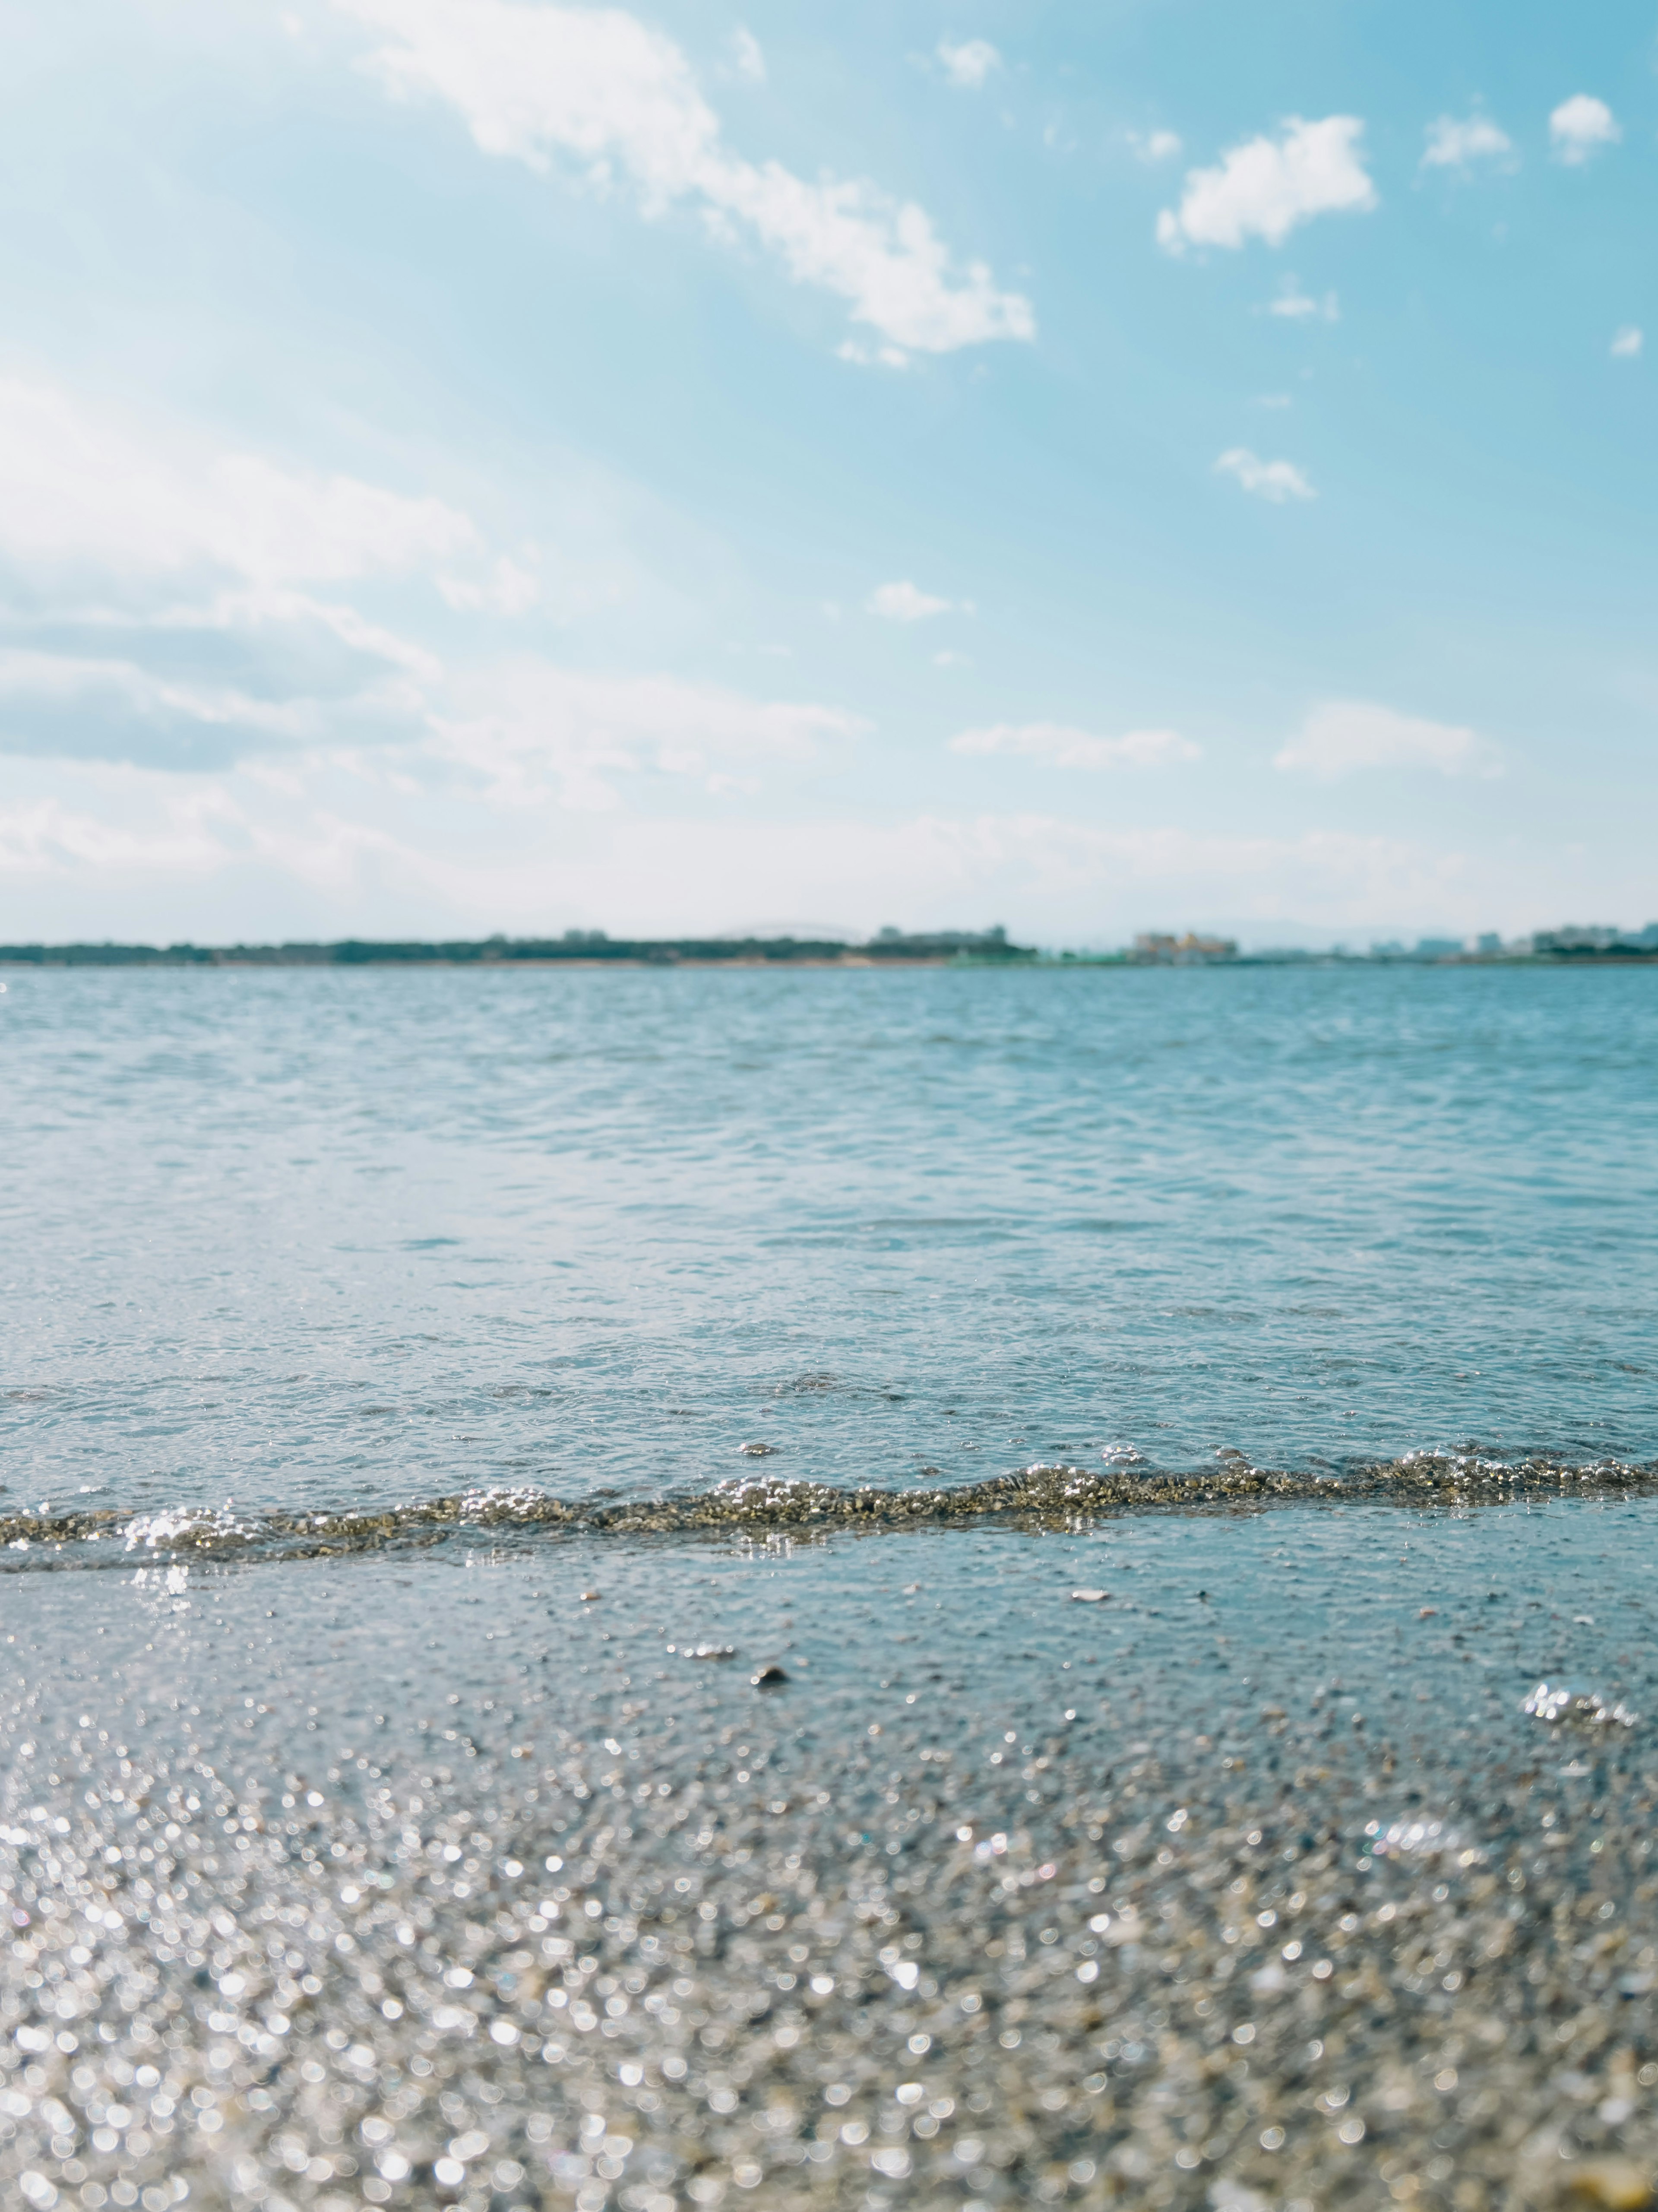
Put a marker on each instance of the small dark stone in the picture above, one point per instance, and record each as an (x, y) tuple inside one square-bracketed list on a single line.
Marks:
[(767, 1676)]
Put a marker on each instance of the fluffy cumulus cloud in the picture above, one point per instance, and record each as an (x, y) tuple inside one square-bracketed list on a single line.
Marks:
[(1267, 186), (1061, 746), (906, 602), (1580, 126), (1463, 144), (1341, 736), (599, 89), (970, 65), (1626, 343), (1276, 482)]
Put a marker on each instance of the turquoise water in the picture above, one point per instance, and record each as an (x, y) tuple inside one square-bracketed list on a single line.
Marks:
[(302, 1239)]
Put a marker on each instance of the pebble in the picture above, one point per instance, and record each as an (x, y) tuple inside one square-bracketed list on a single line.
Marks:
[(1614, 2182)]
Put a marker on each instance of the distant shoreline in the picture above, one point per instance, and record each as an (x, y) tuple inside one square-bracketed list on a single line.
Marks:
[(580, 949), (591, 951)]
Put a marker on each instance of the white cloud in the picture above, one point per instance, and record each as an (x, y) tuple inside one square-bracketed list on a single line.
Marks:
[(163, 605), (1277, 480), (44, 837), (1298, 307), (904, 603), (868, 356), (508, 589), (969, 65), (83, 498), (1266, 187), (1581, 125), (527, 731), (1063, 747), (1155, 145), (62, 703), (599, 89), (1340, 736), (747, 57), (1627, 343), (1458, 144), (169, 602)]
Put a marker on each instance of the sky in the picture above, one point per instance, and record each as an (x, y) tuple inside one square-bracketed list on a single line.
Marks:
[(476, 465)]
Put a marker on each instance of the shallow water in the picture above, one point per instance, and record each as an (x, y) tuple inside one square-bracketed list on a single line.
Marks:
[(308, 1238), (497, 1879), (394, 1343)]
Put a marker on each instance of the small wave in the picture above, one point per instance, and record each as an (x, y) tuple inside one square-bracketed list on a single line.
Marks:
[(1039, 1496), (1557, 1702)]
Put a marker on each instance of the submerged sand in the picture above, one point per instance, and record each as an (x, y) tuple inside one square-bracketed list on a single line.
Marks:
[(1247, 1882)]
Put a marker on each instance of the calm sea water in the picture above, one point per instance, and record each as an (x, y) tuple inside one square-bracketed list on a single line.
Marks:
[(336, 1239)]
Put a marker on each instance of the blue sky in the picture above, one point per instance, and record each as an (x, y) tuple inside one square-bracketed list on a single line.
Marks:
[(473, 465)]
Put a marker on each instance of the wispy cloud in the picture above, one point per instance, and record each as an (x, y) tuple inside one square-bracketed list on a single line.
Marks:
[(1267, 186), (173, 603), (1061, 746), (1580, 126), (1155, 145), (1627, 343), (863, 356), (906, 603), (1341, 736), (174, 608), (1460, 143), (84, 497), (528, 732), (747, 57), (970, 65), (1298, 307), (1275, 481), (599, 89)]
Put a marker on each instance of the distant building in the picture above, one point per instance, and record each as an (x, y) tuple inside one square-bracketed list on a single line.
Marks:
[(1488, 940), (1438, 948), (1154, 948)]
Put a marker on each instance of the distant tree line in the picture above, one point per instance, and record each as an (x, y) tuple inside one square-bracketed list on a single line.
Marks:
[(583, 946)]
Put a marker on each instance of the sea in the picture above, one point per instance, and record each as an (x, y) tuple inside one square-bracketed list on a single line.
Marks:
[(941, 1587)]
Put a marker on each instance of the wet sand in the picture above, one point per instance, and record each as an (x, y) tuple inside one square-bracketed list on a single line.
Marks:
[(423, 1879)]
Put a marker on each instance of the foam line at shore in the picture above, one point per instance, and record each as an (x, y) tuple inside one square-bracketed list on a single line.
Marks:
[(1039, 1496)]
